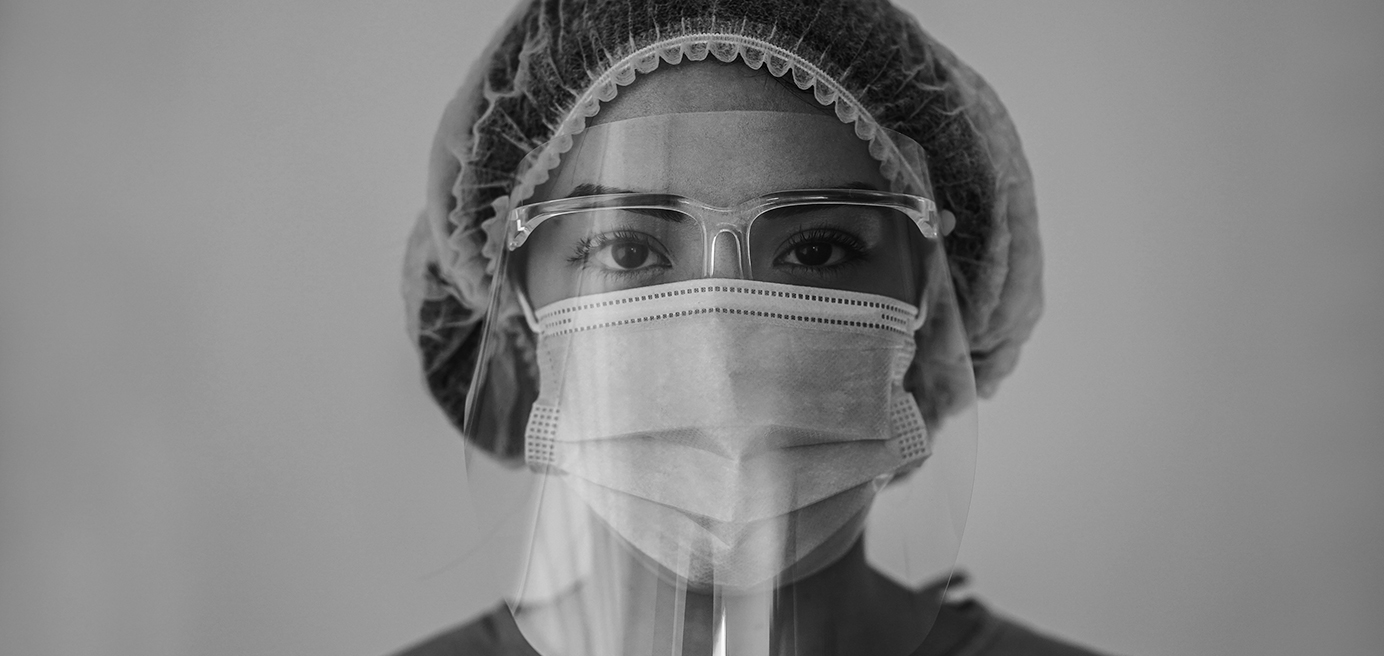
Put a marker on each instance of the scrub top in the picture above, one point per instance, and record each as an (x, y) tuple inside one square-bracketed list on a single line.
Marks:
[(964, 628)]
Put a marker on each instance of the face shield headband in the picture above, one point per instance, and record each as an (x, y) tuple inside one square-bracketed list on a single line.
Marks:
[(744, 341)]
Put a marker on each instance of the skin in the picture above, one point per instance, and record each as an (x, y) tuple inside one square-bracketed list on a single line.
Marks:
[(721, 168), (845, 607)]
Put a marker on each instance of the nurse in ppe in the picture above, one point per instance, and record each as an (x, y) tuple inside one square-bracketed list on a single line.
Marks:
[(719, 281)]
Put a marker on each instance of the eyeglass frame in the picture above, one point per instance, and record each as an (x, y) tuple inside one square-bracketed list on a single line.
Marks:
[(524, 219)]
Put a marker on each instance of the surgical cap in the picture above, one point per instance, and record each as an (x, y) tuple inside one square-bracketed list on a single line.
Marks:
[(555, 61)]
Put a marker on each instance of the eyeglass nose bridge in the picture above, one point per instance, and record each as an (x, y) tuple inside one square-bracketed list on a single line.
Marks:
[(727, 251)]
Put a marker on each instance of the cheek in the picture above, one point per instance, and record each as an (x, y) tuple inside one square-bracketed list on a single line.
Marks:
[(904, 266), (540, 261), (543, 280)]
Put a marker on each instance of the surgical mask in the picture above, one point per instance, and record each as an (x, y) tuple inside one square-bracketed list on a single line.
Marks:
[(729, 426)]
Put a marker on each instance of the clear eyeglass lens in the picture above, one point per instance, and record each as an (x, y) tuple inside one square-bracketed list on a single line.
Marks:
[(853, 247)]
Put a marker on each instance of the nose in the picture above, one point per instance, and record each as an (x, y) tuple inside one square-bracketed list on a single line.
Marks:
[(726, 259)]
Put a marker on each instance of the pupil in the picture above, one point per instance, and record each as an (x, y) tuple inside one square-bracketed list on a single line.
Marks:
[(630, 256), (813, 254)]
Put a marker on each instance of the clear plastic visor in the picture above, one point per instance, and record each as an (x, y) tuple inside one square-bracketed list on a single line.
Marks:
[(753, 430)]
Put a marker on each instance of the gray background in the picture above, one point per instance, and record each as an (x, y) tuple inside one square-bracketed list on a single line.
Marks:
[(213, 438)]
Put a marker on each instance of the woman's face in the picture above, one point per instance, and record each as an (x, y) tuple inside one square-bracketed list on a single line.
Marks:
[(803, 146)]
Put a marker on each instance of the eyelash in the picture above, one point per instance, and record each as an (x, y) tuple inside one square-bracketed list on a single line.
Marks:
[(856, 248), (857, 252), (581, 255)]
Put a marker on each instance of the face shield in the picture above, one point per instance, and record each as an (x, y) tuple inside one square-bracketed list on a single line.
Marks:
[(754, 431)]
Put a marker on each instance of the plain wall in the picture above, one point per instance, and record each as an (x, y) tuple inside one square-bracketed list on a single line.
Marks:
[(214, 438)]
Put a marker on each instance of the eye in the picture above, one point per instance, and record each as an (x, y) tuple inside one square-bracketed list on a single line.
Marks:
[(622, 252), (626, 255), (819, 248), (813, 254)]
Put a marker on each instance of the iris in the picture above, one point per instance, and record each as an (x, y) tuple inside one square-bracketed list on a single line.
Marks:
[(630, 256)]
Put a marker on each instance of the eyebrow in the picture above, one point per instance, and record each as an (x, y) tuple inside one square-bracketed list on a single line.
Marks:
[(592, 189), (862, 186), (804, 209)]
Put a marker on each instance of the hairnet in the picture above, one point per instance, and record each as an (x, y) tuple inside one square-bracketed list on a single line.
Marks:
[(555, 61)]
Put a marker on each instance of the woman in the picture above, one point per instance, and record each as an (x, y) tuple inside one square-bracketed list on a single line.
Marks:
[(726, 277)]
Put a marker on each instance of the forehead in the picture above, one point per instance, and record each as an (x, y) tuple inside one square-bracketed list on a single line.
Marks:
[(707, 86), (718, 133), (721, 158)]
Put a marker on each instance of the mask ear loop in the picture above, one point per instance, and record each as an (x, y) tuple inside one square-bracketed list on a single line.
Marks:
[(925, 280), (529, 316), (506, 206), (917, 323), (923, 297), (905, 166)]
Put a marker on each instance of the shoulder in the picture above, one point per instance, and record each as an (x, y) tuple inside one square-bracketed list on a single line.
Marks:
[(963, 629), (994, 635), (492, 634)]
